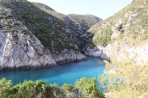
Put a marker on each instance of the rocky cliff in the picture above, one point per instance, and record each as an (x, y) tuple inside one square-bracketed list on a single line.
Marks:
[(33, 35)]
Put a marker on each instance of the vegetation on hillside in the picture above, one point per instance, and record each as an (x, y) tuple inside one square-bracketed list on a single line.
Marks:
[(128, 24), (126, 76), (85, 88), (47, 28), (104, 37), (89, 88)]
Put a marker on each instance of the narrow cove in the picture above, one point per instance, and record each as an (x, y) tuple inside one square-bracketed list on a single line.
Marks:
[(67, 73)]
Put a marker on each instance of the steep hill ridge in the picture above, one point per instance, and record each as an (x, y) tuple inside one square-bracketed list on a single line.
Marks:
[(84, 21), (42, 6), (131, 22)]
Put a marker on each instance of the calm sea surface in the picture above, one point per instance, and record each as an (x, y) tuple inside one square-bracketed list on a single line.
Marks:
[(67, 73)]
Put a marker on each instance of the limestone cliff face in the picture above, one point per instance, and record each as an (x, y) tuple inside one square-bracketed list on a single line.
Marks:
[(26, 44), (27, 52)]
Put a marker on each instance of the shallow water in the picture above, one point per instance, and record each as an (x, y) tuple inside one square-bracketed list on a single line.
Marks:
[(67, 73)]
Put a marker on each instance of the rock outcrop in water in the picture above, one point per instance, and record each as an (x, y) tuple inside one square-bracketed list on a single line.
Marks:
[(33, 35)]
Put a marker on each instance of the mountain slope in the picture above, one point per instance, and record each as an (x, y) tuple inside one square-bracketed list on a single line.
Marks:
[(83, 22), (126, 29), (77, 28), (131, 22), (33, 35)]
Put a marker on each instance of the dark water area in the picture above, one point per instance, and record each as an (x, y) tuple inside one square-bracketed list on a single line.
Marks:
[(67, 73)]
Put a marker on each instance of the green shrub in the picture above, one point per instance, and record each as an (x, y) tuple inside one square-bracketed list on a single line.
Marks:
[(89, 88), (29, 89), (5, 87), (40, 89), (69, 88)]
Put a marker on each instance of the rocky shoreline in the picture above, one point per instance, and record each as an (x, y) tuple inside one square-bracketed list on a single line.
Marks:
[(60, 63)]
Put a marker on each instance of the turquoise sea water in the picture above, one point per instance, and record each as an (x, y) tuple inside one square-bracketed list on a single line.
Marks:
[(67, 73)]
